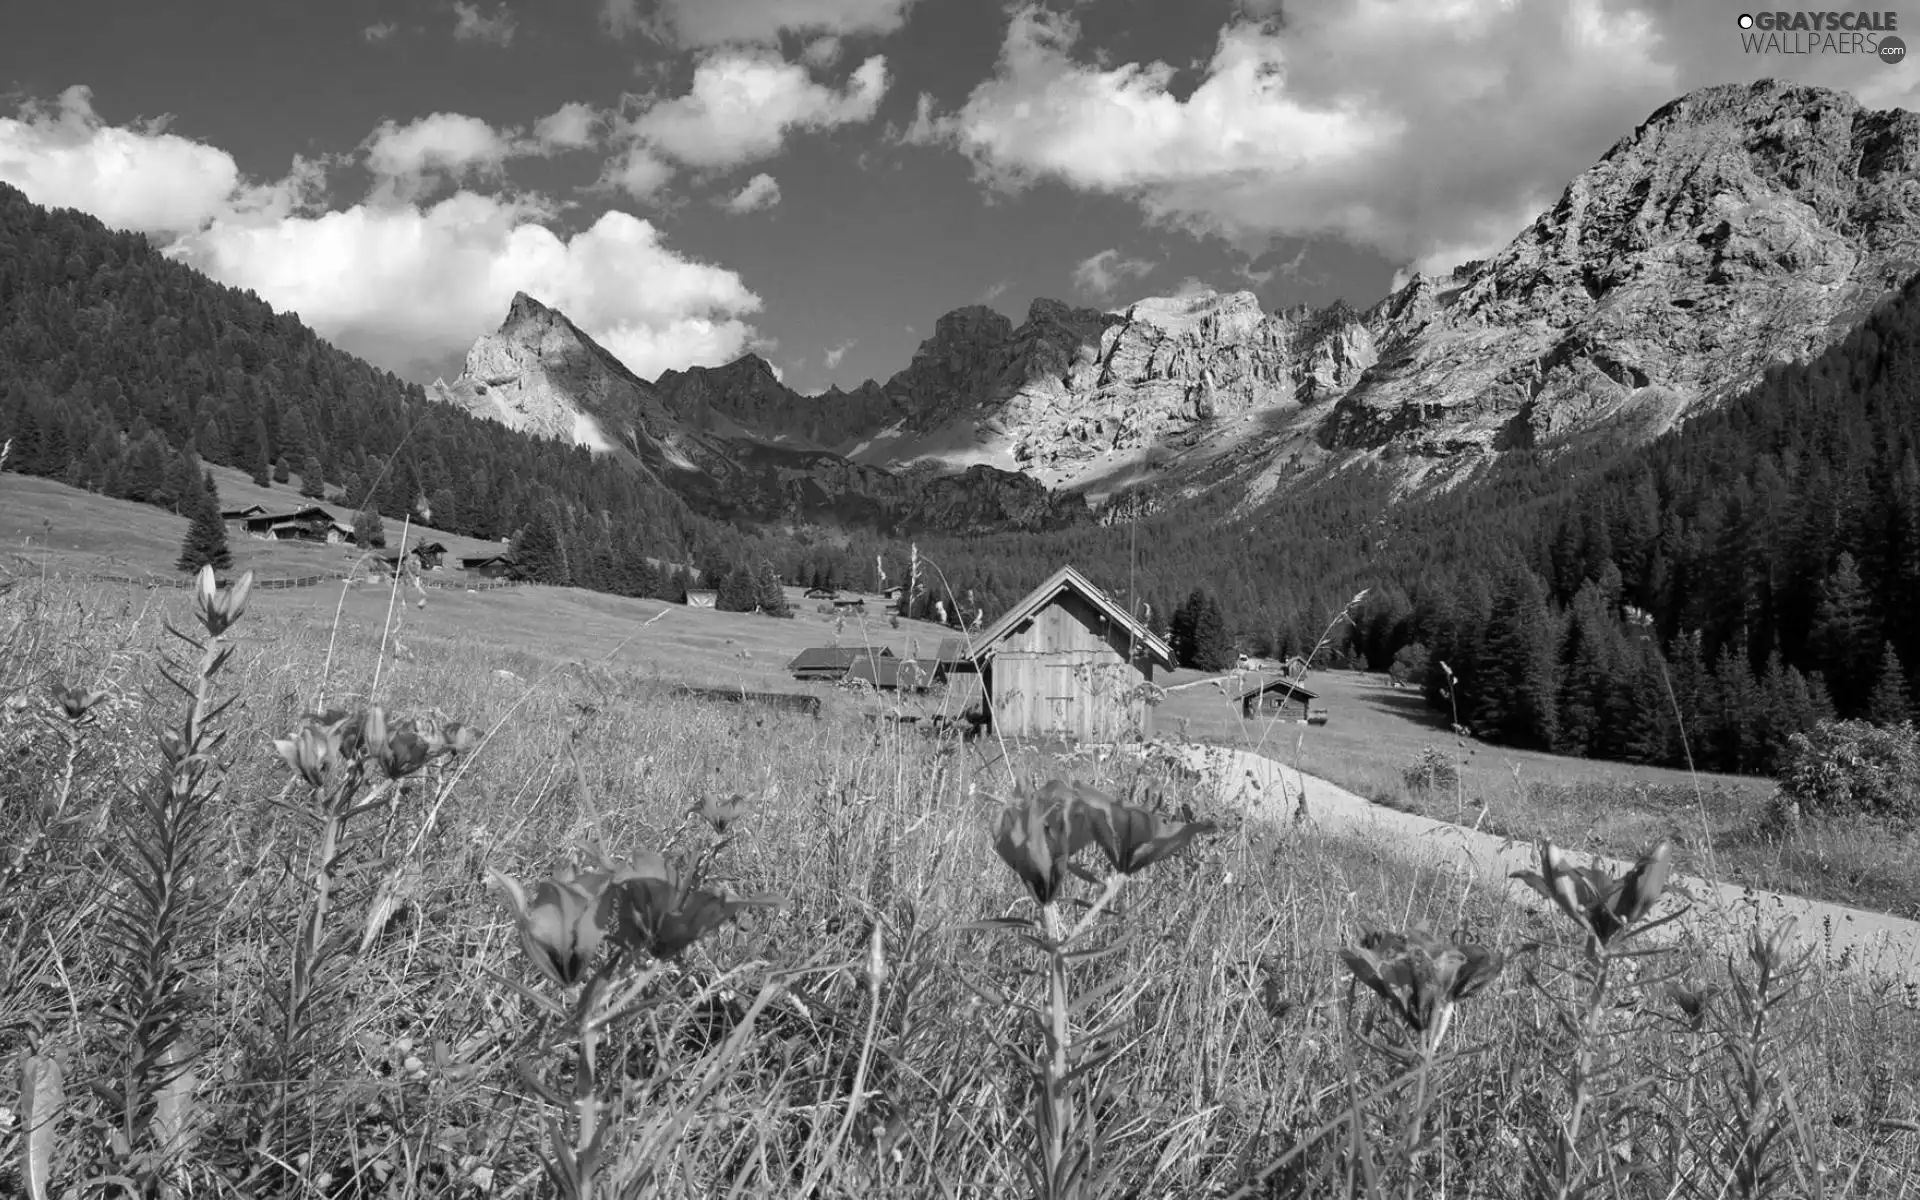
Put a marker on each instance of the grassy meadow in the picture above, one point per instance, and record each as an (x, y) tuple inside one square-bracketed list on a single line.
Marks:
[(1376, 736), (218, 979)]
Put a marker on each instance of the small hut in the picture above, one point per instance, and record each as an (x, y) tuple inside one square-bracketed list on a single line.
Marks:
[(1069, 662), (951, 658), (891, 674), (1278, 698), (490, 566), (832, 662), (429, 556)]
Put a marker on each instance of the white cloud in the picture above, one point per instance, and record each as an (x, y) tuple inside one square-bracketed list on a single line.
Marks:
[(994, 291), (822, 52), (406, 160), (742, 104), (1100, 274), (1414, 130), (835, 353), (569, 127), (636, 172), (692, 23), (62, 154), (472, 25), (379, 31), (399, 282), (762, 191)]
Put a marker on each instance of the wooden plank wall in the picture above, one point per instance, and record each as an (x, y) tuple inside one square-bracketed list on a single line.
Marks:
[(1064, 675)]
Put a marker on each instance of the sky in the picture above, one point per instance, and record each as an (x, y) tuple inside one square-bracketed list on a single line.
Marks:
[(817, 181)]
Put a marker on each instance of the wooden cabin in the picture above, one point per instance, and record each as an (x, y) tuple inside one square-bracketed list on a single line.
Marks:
[(891, 674), (1068, 662), (845, 604), (311, 524), (951, 658), (490, 566), (1280, 698), (832, 662), (429, 556)]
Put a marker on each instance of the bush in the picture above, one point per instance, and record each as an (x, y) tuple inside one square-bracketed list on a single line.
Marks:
[(1431, 769), (1850, 767)]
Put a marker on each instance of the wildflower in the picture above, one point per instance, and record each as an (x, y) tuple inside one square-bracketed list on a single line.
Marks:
[(1595, 900), (1037, 835), (561, 928), (656, 909), (1420, 976), (1134, 838), (404, 750), (76, 702), (345, 727), (309, 752), (219, 607), (721, 811), (1692, 1000)]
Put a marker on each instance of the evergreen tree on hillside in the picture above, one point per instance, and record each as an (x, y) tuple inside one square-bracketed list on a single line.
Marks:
[(738, 591), (282, 470), (206, 542), (1890, 703), (1180, 627), (1212, 647), (313, 484), (771, 596), (369, 531), (1518, 700), (1843, 636), (538, 556)]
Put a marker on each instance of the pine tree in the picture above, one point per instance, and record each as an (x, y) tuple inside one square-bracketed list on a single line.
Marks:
[(772, 597), (738, 592), (1180, 627), (369, 532), (281, 470), (1842, 635), (313, 484), (1890, 703), (206, 542), (537, 554), (1212, 648)]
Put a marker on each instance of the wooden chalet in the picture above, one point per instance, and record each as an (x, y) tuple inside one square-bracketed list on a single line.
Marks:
[(240, 516), (490, 566), (822, 594), (891, 674), (1068, 662), (849, 604), (429, 556), (832, 662), (311, 524), (1278, 698)]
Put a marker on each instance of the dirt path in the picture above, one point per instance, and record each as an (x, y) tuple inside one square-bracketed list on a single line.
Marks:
[(1876, 943)]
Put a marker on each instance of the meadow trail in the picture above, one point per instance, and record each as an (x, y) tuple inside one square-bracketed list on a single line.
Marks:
[(1875, 943)]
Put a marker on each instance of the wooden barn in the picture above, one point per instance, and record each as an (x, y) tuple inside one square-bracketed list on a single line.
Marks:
[(311, 524), (832, 662), (429, 556), (951, 658), (1068, 662), (1278, 698), (891, 674), (491, 566)]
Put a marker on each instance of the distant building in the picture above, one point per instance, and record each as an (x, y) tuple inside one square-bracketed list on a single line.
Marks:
[(951, 658), (701, 598), (240, 516), (832, 662), (311, 524), (849, 604), (822, 594), (891, 674), (1068, 662), (1278, 698), (429, 556), (490, 566)]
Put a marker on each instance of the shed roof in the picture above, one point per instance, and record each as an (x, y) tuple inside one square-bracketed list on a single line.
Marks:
[(1293, 690), (1064, 580), (888, 672), (835, 658)]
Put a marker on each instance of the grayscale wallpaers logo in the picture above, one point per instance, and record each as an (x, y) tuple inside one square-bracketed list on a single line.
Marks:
[(1824, 33)]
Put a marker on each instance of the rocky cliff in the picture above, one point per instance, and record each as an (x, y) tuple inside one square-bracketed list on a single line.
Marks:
[(1739, 227)]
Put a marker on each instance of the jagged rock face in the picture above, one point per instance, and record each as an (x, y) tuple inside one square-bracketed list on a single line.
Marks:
[(1072, 386), (539, 374), (1739, 227)]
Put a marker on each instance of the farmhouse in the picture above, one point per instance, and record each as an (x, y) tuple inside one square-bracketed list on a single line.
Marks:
[(429, 556), (311, 524), (240, 516), (1068, 662), (832, 662), (491, 566), (820, 593), (891, 674), (1278, 698)]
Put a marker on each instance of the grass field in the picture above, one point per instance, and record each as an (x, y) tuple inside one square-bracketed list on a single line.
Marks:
[(1716, 822)]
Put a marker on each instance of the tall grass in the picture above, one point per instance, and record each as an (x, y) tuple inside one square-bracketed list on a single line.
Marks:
[(368, 1012)]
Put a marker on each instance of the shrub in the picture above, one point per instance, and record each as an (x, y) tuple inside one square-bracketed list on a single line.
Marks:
[(1842, 767), (1432, 770)]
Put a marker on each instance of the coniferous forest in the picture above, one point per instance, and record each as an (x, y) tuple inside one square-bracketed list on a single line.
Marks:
[(1751, 570)]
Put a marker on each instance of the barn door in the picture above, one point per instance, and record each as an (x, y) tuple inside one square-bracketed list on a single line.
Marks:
[(1062, 712)]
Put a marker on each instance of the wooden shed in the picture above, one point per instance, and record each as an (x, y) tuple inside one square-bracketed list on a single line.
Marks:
[(1068, 662), (1278, 698), (491, 566), (832, 662)]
